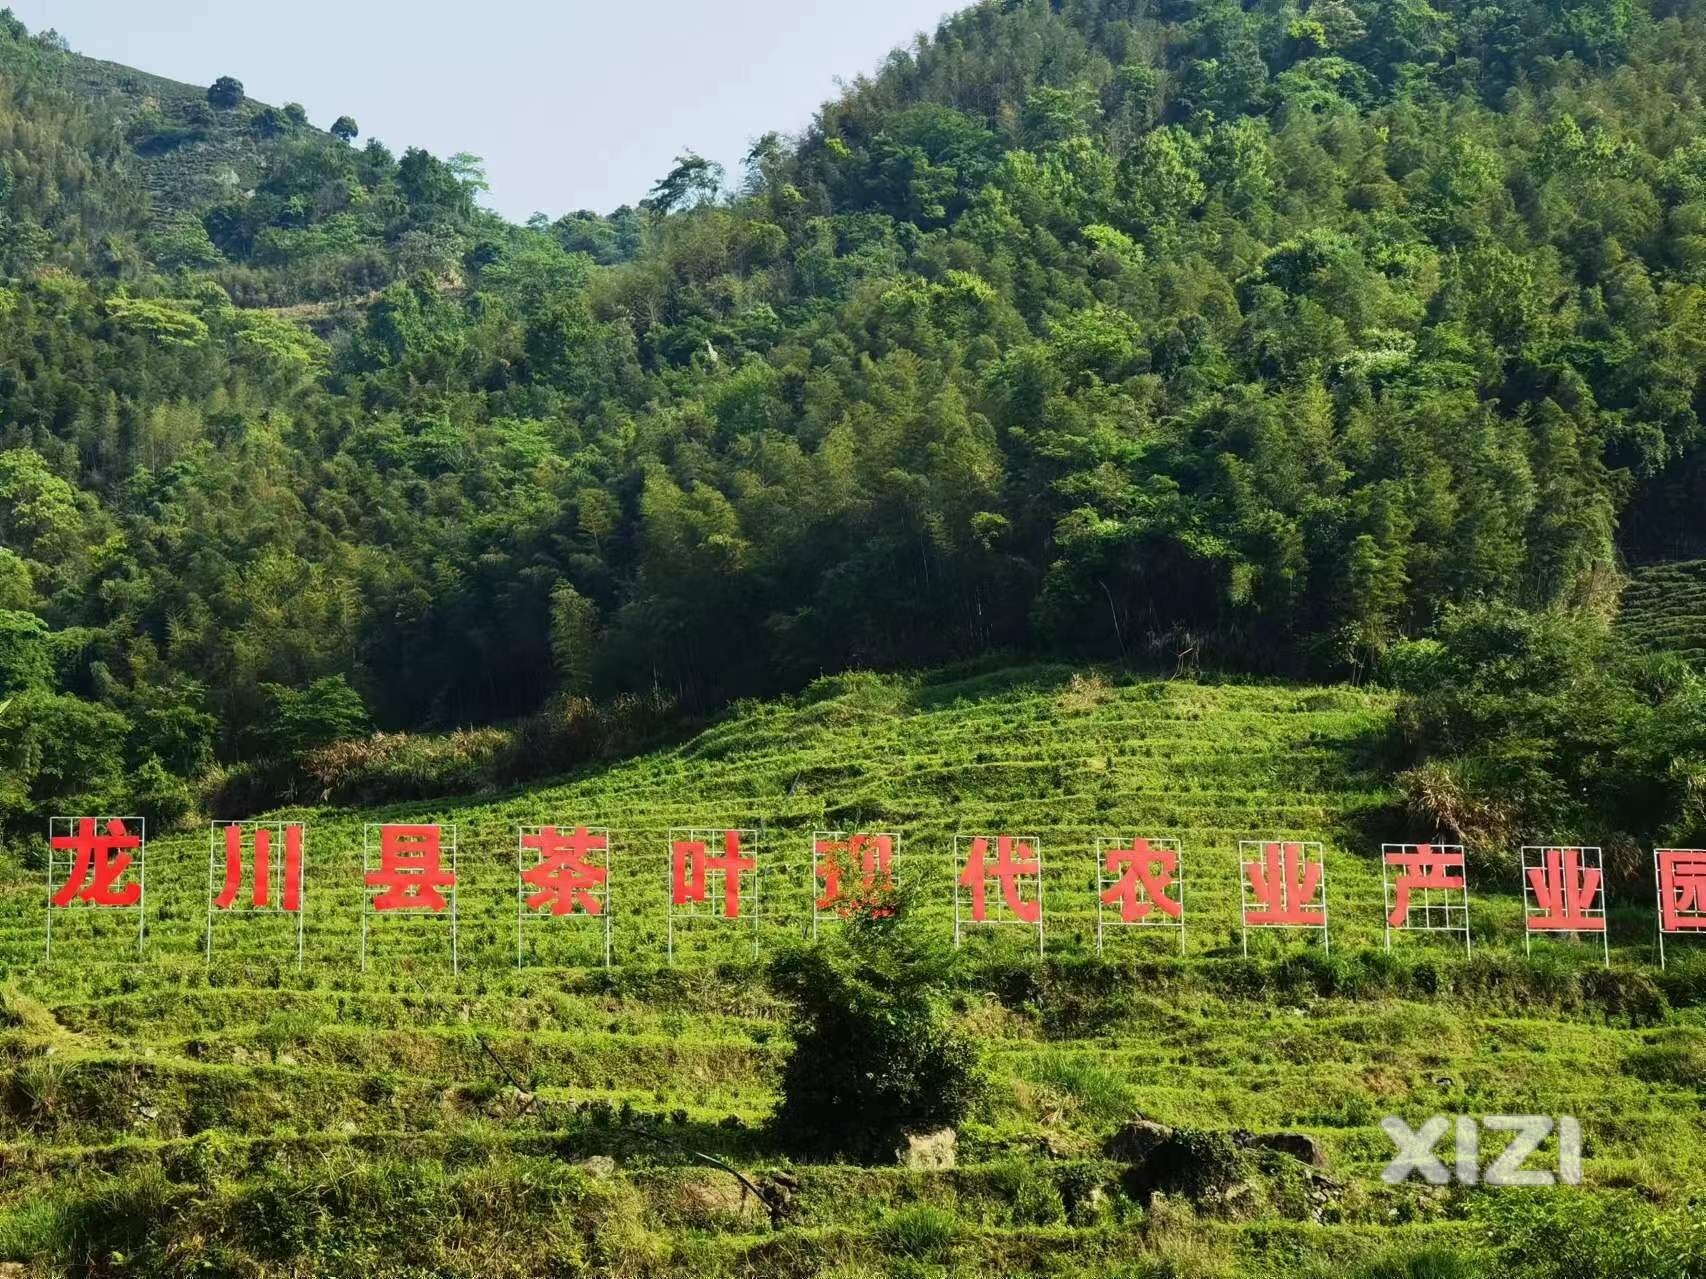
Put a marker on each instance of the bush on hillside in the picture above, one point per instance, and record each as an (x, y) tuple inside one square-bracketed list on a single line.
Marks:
[(570, 731), (1430, 1261), (876, 1054), (59, 755), (388, 768), (385, 768), (302, 720), (226, 93), (1541, 726)]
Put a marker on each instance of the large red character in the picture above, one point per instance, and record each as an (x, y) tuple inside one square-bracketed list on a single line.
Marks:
[(1682, 890), (868, 857), (411, 870), (1284, 885), (1015, 860), (692, 864), (1145, 874), (100, 860), (260, 897), (567, 877), (1566, 892), (1420, 868)]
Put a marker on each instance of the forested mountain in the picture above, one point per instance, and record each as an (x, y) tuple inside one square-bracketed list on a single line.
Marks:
[(1099, 327)]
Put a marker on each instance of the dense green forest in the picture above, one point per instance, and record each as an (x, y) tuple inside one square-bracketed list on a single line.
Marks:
[(1101, 328)]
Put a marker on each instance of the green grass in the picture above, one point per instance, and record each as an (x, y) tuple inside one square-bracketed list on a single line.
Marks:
[(176, 1117)]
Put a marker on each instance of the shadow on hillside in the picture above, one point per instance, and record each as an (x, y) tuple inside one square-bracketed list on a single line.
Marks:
[(579, 1131), (985, 681), (1365, 766), (991, 686)]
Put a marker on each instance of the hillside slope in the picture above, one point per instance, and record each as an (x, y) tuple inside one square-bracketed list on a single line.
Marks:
[(248, 1117), (189, 155), (184, 153), (1079, 329)]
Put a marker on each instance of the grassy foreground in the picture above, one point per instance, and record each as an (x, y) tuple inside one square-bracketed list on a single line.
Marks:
[(176, 1118)]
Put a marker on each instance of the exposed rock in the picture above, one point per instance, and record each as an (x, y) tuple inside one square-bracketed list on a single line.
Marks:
[(713, 1199), (1298, 1145), (1060, 1145), (1238, 1199), (778, 1192), (1201, 1166), (1136, 1141), (929, 1150), (1083, 1203), (598, 1166), (511, 1103), (1227, 1173)]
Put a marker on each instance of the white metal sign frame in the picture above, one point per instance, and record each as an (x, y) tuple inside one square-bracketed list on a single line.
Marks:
[(290, 861), (747, 899), (597, 893), (1444, 906), (1311, 853), (1537, 857), (70, 828), (877, 875), (1684, 914), (1003, 914), (371, 838), (1152, 914)]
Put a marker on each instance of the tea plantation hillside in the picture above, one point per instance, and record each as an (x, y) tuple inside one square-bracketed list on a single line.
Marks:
[(246, 1116), (1664, 608), (186, 153)]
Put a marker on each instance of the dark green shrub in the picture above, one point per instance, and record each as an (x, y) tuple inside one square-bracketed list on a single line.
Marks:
[(1684, 977), (1536, 726), (226, 93), (299, 720), (875, 1054)]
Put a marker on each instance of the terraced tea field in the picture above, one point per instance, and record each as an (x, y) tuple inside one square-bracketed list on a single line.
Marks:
[(244, 1116), (1664, 608)]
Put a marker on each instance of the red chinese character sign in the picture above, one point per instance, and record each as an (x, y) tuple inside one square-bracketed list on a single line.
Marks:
[(563, 874), (97, 864), (410, 873), (1139, 883), (1427, 890), (851, 872), (713, 875), (1000, 881), (1681, 876), (1563, 891), (1283, 884), (255, 869)]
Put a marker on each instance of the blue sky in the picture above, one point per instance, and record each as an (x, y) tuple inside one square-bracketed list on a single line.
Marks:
[(572, 105)]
